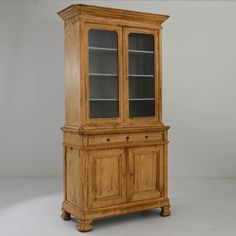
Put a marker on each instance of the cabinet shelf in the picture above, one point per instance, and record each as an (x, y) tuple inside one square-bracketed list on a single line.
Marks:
[(138, 75), (103, 74), (140, 51), (103, 99), (103, 49), (115, 75), (115, 50), (141, 99)]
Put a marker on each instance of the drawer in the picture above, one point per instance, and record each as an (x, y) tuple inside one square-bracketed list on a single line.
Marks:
[(106, 139), (125, 138), (139, 137)]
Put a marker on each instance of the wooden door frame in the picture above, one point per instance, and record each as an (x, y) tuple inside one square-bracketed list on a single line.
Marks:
[(97, 121), (157, 75)]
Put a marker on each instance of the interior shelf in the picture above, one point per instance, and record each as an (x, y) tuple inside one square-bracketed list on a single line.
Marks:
[(139, 75), (103, 74), (103, 49), (115, 75), (140, 51), (141, 99), (103, 99), (115, 50)]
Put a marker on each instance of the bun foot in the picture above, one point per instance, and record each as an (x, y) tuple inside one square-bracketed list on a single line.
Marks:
[(65, 215), (84, 225), (165, 211)]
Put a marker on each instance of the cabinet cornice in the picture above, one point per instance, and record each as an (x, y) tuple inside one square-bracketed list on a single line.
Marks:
[(87, 10)]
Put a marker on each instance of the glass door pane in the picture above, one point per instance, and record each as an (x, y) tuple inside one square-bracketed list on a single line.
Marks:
[(141, 75), (103, 74)]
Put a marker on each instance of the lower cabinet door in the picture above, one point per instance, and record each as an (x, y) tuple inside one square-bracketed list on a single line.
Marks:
[(145, 168), (106, 177)]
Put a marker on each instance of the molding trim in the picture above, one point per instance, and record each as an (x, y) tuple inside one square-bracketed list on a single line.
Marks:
[(81, 9)]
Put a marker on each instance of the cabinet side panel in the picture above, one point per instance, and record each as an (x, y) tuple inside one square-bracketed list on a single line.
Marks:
[(166, 165), (73, 182), (158, 71), (72, 72)]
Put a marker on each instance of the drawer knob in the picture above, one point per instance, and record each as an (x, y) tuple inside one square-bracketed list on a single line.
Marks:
[(146, 136), (108, 140), (127, 138)]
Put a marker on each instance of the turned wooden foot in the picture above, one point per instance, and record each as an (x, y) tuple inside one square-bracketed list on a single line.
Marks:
[(65, 215), (165, 211), (84, 225)]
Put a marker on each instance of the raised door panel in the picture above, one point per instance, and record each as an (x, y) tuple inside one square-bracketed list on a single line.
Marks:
[(145, 173), (106, 177)]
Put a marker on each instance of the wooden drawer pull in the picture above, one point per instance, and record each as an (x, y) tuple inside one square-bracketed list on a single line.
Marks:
[(146, 136), (127, 138), (108, 140)]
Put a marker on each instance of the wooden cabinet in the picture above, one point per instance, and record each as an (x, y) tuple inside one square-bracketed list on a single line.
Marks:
[(115, 142)]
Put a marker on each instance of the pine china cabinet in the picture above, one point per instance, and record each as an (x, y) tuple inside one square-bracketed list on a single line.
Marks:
[(115, 143)]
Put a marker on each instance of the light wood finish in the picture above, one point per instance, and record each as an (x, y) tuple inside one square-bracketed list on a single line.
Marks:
[(165, 211), (116, 165), (115, 15), (106, 176), (124, 138), (145, 172), (84, 225), (72, 83)]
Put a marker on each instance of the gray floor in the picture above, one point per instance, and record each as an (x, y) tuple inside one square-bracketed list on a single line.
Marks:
[(31, 206)]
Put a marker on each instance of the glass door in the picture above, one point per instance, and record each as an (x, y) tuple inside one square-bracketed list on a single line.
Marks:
[(141, 73), (103, 73)]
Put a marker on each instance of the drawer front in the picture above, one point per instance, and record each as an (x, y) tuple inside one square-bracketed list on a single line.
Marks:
[(125, 138), (140, 137), (106, 139)]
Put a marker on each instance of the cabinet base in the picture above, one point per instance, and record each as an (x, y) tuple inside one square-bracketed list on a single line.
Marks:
[(85, 218)]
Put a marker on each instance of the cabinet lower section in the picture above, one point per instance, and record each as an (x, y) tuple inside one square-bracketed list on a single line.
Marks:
[(109, 180)]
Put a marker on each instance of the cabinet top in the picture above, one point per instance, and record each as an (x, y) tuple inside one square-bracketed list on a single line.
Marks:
[(81, 9)]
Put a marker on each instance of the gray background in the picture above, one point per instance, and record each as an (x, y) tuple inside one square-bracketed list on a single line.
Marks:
[(199, 59)]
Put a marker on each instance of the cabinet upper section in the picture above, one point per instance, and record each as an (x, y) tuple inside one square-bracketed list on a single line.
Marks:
[(112, 68), (119, 16)]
